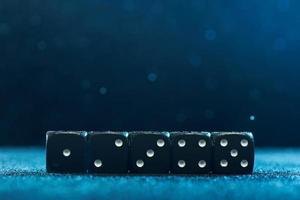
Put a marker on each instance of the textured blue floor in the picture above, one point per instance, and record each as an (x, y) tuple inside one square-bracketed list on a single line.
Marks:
[(23, 176)]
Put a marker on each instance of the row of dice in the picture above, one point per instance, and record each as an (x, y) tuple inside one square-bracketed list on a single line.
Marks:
[(150, 152)]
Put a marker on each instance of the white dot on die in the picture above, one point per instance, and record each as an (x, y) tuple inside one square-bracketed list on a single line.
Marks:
[(181, 163), (223, 163), (244, 163), (202, 163), (234, 153), (202, 143), (98, 163), (66, 152), (140, 163), (223, 142), (181, 143), (244, 142), (150, 153), (118, 143), (160, 143)]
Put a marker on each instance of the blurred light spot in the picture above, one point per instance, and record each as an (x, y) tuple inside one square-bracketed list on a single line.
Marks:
[(42, 45), (166, 133), (85, 84), (84, 133), (128, 5), (103, 90), (125, 133), (210, 34), (283, 5), (4, 29), (180, 117), (209, 114), (279, 44), (252, 117), (194, 60), (35, 20), (152, 77)]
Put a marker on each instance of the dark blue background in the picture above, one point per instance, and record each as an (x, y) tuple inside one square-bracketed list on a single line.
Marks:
[(151, 65)]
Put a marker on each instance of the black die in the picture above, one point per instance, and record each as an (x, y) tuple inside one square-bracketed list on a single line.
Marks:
[(149, 152), (108, 152), (191, 152), (66, 151), (233, 152)]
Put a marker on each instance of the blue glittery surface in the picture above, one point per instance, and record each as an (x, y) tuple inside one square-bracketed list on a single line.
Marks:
[(23, 176)]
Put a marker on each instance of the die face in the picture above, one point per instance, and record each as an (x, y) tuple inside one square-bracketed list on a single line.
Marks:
[(149, 153), (108, 152), (191, 153), (233, 153), (65, 152)]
